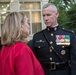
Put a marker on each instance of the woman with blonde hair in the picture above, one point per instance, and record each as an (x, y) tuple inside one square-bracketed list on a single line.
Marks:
[(16, 57)]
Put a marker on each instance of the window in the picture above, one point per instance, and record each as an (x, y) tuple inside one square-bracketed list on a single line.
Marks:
[(33, 12), (4, 6), (30, 5), (36, 21)]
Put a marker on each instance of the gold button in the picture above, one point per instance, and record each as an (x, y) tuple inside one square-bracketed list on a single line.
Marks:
[(51, 42), (52, 34), (38, 46), (50, 50), (62, 46), (50, 59), (63, 52)]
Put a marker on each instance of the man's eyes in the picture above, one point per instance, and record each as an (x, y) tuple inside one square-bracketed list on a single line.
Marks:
[(47, 15)]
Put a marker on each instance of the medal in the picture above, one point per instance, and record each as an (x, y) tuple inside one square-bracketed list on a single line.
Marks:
[(62, 39)]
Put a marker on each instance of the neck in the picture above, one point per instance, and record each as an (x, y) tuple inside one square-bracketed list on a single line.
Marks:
[(53, 26)]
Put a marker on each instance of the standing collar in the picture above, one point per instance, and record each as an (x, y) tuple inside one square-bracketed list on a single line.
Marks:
[(53, 28)]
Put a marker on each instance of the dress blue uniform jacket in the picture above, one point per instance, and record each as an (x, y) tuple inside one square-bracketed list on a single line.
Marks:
[(55, 45)]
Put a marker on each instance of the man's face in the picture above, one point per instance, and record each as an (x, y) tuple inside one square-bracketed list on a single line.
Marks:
[(49, 16)]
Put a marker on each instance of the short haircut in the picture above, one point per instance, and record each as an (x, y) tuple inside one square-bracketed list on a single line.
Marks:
[(50, 4)]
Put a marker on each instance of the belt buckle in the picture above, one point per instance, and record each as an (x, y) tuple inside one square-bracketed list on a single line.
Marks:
[(52, 66)]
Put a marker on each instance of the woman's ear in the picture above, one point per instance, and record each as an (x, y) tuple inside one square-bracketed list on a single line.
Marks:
[(23, 27)]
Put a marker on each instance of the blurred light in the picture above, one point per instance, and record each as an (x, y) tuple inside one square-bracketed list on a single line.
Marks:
[(11, 0)]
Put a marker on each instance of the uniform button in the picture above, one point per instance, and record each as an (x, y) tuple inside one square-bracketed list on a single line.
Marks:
[(63, 52), (51, 42), (50, 59), (50, 50), (52, 34), (38, 46)]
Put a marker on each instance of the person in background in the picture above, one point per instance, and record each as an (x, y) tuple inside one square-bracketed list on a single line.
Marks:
[(16, 57), (54, 46)]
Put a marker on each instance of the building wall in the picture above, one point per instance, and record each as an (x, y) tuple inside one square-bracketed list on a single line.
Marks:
[(15, 6), (44, 2)]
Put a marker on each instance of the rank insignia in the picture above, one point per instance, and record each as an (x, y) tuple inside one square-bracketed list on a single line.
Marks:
[(62, 39), (48, 29), (63, 52), (55, 29)]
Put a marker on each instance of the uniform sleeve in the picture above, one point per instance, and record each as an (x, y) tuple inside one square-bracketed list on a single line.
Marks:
[(31, 45), (23, 63), (73, 55)]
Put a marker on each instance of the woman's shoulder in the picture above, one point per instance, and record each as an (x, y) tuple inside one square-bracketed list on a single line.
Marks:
[(21, 47)]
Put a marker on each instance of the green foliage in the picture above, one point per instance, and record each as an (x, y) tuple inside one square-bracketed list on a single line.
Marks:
[(71, 14), (67, 11), (62, 20)]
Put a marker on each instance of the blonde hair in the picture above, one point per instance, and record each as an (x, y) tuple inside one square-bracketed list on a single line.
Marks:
[(11, 29)]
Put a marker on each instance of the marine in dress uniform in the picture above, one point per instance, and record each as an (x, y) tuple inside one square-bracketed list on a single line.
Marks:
[(55, 48)]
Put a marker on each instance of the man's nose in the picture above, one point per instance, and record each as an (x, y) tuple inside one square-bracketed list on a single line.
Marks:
[(46, 18)]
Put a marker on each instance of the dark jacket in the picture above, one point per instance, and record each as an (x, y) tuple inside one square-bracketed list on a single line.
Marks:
[(58, 46)]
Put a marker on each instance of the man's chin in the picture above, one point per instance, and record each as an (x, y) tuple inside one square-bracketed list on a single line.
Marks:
[(48, 25)]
